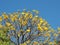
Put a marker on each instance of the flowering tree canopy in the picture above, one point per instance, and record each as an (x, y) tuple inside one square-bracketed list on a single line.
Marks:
[(26, 28)]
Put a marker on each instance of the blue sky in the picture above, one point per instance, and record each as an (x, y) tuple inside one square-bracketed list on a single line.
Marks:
[(49, 9)]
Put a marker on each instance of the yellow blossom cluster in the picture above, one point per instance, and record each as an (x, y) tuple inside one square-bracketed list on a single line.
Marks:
[(42, 25), (0, 18), (5, 16)]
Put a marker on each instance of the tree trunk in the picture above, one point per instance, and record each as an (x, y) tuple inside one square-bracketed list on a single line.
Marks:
[(22, 41), (18, 41)]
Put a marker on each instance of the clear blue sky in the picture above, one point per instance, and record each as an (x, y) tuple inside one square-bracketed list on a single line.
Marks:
[(49, 9)]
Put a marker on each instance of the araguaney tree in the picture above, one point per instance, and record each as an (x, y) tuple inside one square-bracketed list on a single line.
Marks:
[(26, 27)]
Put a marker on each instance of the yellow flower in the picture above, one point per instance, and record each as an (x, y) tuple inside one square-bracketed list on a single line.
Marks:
[(38, 25), (40, 29), (11, 15), (41, 21), (19, 35), (5, 16), (0, 18), (23, 43), (26, 15), (12, 28), (30, 16), (23, 13), (50, 43), (35, 43), (55, 34), (45, 28), (15, 17), (47, 34), (1, 26), (12, 19), (8, 24), (20, 20), (24, 23), (28, 30), (27, 41)]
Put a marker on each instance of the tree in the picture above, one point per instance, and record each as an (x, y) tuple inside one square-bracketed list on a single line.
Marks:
[(25, 27)]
